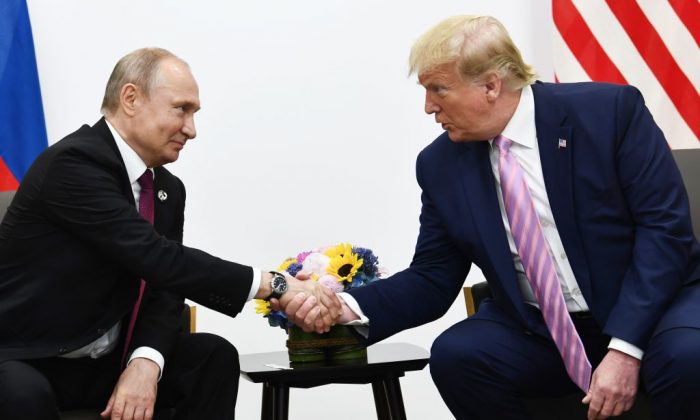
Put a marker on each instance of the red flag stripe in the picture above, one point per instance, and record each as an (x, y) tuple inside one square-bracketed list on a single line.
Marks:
[(8, 182), (688, 11), (654, 52), (583, 44)]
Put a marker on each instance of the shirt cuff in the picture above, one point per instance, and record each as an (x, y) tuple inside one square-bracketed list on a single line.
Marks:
[(361, 325), (625, 347), (150, 354), (256, 284)]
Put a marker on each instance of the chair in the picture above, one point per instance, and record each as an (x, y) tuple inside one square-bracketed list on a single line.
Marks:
[(5, 200), (569, 407)]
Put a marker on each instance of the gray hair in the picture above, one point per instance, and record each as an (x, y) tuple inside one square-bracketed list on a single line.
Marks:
[(140, 67)]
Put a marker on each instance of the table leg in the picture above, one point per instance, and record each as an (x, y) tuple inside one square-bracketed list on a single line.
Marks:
[(380, 401), (275, 402), (388, 399)]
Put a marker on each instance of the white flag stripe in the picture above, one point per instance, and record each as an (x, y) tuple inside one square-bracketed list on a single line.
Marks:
[(622, 52), (676, 36), (566, 66), (616, 43)]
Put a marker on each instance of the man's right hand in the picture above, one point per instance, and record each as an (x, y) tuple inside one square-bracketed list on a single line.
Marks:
[(134, 396), (309, 305)]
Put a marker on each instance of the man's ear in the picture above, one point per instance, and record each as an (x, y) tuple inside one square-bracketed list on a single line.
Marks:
[(492, 86), (129, 98)]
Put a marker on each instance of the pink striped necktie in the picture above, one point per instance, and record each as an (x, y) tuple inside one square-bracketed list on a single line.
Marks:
[(539, 266), (146, 211)]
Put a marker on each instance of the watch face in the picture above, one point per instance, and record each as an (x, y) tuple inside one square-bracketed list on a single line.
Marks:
[(279, 284)]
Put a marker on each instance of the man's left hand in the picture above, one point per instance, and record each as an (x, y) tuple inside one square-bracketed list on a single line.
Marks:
[(134, 396), (613, 386)]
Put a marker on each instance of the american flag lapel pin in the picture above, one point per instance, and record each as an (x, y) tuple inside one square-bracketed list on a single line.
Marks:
[(562, 144)]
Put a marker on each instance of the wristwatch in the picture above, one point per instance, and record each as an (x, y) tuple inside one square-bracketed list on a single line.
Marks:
[(278, 284)]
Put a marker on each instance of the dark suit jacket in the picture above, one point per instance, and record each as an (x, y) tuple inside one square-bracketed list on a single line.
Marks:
[(619, 205), (73, 248)]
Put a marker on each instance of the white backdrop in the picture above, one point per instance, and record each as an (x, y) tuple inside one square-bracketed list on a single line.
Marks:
[(307, 136)]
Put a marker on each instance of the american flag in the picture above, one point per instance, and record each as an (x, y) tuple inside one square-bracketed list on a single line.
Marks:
[(651, 44)]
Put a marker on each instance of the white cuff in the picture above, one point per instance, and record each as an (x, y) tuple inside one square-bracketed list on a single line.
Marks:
[(361, 325), (625, 347), (256, 284), (150, 354)]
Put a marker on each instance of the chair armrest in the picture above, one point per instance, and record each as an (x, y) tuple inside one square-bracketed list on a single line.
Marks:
[(474, 295), (188, 321)]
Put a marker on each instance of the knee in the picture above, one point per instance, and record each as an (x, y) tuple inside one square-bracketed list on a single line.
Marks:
[(449, 354), (222, 352), (24, 390), (674, 363)]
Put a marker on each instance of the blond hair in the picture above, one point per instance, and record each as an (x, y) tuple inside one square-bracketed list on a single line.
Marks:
[(140, 67), (478, 45)]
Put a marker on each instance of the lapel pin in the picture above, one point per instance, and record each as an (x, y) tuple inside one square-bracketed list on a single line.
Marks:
[(562, 144), (162, 195)]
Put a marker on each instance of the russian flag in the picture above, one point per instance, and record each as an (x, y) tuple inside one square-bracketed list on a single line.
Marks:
[(22, 126)]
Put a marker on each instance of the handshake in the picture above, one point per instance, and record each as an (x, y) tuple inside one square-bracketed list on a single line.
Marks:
[(308, 304)]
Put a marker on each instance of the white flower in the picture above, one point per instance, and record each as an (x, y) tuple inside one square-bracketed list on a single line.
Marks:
[(316, 263)]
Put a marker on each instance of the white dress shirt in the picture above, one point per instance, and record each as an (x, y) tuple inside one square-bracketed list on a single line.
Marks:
[(135, 167), (522, 131)]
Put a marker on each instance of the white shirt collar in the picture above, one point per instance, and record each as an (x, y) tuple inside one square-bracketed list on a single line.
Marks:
[(521, 128), (135, 167)]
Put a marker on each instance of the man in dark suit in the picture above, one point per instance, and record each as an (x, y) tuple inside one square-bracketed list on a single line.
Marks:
[(613, 213), (78, 326)]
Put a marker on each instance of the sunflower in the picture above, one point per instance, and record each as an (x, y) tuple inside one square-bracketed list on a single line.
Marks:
[(262, 307), (338, 250), (286, 264), (345, 266)]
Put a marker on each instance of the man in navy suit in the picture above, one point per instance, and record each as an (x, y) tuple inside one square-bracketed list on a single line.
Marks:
[(614, 214)]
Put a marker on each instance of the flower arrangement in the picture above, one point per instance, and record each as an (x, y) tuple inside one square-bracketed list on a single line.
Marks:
[(340, 268)]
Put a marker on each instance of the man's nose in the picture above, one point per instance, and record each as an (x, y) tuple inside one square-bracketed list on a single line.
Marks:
[(188, 128), (430, 106)]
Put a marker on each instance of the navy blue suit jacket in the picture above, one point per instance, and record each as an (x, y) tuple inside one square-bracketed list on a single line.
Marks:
[(618, 201)]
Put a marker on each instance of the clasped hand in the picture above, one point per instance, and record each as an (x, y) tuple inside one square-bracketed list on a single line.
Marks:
[(309, 305)]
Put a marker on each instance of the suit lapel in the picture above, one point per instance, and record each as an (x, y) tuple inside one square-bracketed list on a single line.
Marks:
[(480, 192), (103, 131), (556, 145)]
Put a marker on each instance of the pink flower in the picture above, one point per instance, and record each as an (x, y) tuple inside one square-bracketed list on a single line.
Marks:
[(302, 256), (331, 282)]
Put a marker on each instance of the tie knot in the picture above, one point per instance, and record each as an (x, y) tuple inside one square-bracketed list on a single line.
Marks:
[(503, 143), (146, 180)]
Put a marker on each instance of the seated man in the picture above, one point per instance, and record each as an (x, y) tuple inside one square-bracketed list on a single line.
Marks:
[(567, 198), (93, 274)]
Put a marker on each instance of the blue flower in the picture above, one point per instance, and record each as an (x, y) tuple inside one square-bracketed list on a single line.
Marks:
[(358, 281), (294, 268), (370, 261), (277, 319)]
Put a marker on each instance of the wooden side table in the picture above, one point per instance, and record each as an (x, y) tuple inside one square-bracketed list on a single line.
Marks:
[(385, 364)]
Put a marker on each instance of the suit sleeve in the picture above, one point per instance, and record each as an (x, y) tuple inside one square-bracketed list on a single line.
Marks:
[(424, 291), (84, 198), (654, 192)]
